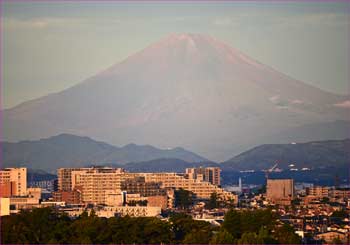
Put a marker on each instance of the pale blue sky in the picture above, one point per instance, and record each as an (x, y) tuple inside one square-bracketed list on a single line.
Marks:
[(49, 46)]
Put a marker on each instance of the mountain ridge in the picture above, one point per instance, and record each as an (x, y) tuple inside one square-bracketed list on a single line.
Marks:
[(313, 155), (84, 151), (171, 92), (66, 150)]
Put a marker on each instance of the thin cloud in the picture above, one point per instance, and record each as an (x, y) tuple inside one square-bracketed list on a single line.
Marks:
[(344, 104), (37, 23), (12, 24), (226, 21), (319, 19)]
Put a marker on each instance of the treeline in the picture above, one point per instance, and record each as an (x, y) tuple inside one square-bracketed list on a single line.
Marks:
[(46, 225)]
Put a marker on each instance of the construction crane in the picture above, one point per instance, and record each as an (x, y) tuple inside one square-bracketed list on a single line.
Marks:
[(270, 170)]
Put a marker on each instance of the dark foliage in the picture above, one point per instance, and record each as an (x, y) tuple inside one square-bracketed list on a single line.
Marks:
[(48, 226), (183, 198), (255, 227)]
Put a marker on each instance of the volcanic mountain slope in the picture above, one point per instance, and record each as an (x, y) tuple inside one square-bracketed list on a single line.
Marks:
[(75, 151), (187, 89)]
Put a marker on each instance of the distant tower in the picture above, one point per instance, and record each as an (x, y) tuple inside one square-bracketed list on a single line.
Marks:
[(240, 184), (336, 181)]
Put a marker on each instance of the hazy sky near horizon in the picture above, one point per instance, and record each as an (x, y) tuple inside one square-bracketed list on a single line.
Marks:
[(50, 46)]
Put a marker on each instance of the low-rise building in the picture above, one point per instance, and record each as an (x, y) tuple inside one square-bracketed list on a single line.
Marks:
[(18, 203), (132, 211), (34, 192), (318, 191), (340, 193), (4, 206), (70, 197), (330, 236), (158, 201)]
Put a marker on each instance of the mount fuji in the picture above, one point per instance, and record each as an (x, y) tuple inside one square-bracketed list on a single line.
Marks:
[(188, 90)]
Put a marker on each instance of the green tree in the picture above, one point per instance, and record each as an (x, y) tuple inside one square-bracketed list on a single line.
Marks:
[(86, 229), (222, 237), (232, 223), (340, 214), (286, 235), (183, 198), (157, 232), (48, 226), (181, 225), (253, 220), (249, 238), (197, 237), (187, 230), (325, 200), (256, 221), (337, 240), (213, 201), (265, 237), (40, 225)]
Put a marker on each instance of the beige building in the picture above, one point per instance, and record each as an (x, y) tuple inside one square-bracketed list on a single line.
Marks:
[(4, 206), (65, 178), (209, 174), (24, 202), (34, 192), (96, 184), (118, 199), (329, 236), (201, 189), (280, 191), (318, 191), (114, 199), (69, 197), (340, 193), (13, 182), (132, 211), (158, 201)]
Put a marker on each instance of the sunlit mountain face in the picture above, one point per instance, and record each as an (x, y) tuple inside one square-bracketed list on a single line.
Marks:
[(186, 90)]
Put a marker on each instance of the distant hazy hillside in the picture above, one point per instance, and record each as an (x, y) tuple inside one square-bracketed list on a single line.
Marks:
[(165, 165), (336, 130), (69, 150), (319, 154), (39, 175)]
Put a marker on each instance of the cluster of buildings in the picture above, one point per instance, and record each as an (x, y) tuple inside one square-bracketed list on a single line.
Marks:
[(310, 210), (112, 191), (14, 193), (114, 187)]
